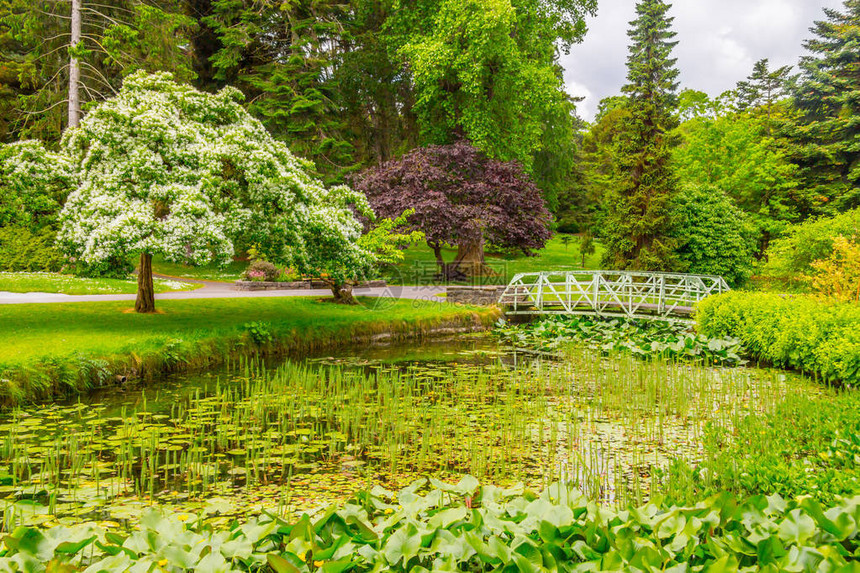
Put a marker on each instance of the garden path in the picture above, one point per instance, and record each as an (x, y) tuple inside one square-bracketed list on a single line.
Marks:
[(213, 289)]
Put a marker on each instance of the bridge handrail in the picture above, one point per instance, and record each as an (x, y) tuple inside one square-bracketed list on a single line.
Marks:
[(657, 296)]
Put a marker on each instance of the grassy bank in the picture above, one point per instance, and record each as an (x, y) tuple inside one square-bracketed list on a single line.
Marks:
[(47, 350), (69, 284)]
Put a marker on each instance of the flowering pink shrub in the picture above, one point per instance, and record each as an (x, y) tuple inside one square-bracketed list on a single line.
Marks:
[(262, 271)]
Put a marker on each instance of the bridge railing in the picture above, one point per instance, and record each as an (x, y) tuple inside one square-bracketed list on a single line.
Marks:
[(655, 296)]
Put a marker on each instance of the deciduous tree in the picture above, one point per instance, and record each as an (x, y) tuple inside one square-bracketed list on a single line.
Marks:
[(166, 169), (460, 197)]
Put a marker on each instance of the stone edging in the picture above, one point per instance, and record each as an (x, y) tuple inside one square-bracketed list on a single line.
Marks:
[(476, 295)]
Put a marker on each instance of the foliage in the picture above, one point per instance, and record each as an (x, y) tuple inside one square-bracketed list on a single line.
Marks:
[(714, 237), (22, 249), (819, 338), (642, 339), (638, 223), (733, 152), (838, 276), (260, 332), (442, 526), (118, 37), (34, 183), (386, 241), (208, 178), (486, 71), (763, 89), (586, 248), (114, 267), (828, 96), (808, 242), (598, 157), (288, 87), (808, 446), (37, 340), (462, 197), (261, 271)]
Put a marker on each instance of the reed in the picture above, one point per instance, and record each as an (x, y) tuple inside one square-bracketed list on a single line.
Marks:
[(300, 434)]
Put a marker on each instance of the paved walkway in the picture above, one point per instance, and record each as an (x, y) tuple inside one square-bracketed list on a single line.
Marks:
[(224, 290)]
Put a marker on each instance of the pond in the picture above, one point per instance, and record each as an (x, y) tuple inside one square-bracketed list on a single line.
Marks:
[(296, 435)]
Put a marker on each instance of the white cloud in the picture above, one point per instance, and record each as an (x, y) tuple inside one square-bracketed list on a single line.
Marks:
[(719, 41)]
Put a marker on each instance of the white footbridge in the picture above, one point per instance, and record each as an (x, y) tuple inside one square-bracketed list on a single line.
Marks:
[(632, 294)]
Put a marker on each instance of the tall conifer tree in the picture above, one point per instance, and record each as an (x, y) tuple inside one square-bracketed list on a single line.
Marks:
[(638, 225), (829, 98)]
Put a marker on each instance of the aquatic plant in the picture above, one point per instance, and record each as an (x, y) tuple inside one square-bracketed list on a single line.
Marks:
[(306, 434), (643, 339), (467, 527)]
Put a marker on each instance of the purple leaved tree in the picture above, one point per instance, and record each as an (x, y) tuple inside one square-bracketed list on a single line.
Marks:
[(463, 198)]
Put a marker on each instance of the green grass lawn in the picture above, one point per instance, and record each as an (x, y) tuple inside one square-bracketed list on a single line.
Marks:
[(48, 348), (419, 264), (69, 284), (228, 273)]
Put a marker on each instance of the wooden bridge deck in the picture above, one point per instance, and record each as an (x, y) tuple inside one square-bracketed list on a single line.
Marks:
[(649, 296)]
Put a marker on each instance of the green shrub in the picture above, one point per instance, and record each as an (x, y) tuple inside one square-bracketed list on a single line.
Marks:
[(111, 268), (809, 242), (715, 237), (34, 183), (800, 332), (260, 332), (466, 527), (24, 250)]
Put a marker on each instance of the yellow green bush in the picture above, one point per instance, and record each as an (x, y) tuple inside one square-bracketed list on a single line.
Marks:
[(800, 332)]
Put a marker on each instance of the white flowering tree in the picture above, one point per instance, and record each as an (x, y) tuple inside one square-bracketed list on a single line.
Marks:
[(166, 169)]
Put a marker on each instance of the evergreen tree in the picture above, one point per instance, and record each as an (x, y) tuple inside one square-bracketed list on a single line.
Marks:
[(117, 37), (763, 87), (638, 226), (829, 98)]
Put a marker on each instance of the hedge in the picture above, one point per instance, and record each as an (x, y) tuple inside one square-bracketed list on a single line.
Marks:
[(799, 332), (432, 526)]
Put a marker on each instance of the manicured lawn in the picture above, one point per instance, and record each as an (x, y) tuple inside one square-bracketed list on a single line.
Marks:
[(228, 273), (69, 284), (32, 331), (419, 264), (51, 349)]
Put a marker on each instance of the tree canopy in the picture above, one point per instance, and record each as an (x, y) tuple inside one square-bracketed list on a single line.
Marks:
[(638, 204), (166, 169), (828, 96), (460, 197)]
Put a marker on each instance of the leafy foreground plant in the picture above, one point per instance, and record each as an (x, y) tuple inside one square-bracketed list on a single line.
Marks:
[(467, 527), (643, 339)]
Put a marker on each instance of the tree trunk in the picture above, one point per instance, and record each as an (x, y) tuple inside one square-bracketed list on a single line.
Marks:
[(343, 294), (74, 67), (440, 262), (469, 261), (145, 289)]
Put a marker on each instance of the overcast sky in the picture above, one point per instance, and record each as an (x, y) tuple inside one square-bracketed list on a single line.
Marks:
[(719, 41)]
